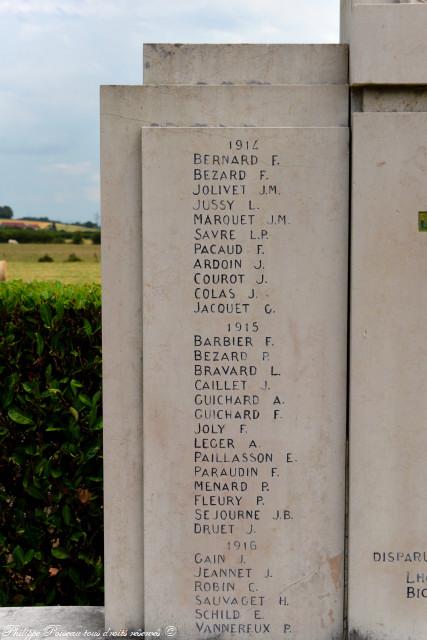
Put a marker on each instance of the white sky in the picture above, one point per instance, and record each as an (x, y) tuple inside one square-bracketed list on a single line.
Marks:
[(55, 53)]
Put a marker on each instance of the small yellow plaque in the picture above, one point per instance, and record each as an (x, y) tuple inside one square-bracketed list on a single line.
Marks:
[(422, 221)]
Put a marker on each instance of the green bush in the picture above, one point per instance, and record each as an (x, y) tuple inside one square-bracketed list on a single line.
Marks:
[(45, 258), (51, 520), (77, 238), (73, 258), (47, 235)]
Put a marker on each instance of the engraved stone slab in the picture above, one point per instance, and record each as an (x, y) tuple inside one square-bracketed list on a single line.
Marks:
[(244, 385), (388, 436), (245, 64)]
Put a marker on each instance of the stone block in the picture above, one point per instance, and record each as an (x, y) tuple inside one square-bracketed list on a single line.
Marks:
[(245, 64), (249, 106), (22, 623), (388, 404), (388, 44)]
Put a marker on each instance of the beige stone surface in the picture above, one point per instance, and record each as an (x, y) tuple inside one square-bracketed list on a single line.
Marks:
[(394, 99), (356, 2), (268, 344), (345, 13), (321, 106), (388, 436), (122, 373), (23, 623), (245, 64), (124, 110), (388, 44)]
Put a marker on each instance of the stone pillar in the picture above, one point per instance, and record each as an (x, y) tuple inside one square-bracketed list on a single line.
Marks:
[(345, 9), (388, 365)]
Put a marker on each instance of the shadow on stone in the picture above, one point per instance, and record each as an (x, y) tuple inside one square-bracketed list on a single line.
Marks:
[(356, 635)]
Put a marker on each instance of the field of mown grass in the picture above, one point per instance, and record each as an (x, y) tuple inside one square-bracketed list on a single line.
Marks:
[(22, 262)]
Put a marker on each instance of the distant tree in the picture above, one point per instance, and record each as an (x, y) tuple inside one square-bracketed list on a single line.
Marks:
[(87, 225), (77, 238), (38, 218), (6, 212)]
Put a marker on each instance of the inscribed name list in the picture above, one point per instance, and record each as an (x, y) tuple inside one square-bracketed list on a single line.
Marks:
[(244, 352)]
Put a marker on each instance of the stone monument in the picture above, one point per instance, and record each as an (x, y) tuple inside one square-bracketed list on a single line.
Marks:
[(225, 226), (226, 202)]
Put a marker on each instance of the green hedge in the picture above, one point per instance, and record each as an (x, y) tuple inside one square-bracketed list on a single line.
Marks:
[(23, 236), (51, 521), (47, 236)]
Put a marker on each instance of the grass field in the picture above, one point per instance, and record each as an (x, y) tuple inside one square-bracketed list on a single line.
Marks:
[(22, 262)]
